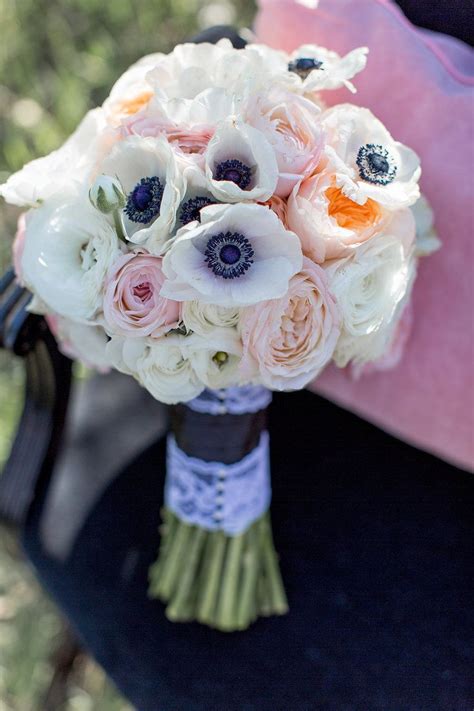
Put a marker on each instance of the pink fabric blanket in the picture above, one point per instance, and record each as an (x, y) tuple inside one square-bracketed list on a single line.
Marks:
[(420, 84)]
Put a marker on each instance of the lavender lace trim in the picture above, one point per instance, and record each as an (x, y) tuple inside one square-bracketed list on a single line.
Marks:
[(216, 496), (232, 401)]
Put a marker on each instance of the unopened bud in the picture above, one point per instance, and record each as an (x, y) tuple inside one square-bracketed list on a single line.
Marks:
[(106, 194)]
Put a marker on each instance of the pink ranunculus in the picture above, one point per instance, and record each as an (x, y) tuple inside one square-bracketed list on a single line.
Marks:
[(132, 303), (288, 341), (292, 126), (327, 221), (18, 246)]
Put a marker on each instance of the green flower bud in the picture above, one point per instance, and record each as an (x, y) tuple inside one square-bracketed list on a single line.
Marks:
[(107, 195)]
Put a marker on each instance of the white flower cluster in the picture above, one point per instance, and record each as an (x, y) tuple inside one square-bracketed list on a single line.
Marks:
[(213, 224)]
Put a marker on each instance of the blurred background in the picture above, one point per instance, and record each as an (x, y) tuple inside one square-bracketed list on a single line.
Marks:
[(59, 58)]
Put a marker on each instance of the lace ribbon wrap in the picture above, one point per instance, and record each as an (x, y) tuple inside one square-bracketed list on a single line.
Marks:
[(218, 461), (216, 496)]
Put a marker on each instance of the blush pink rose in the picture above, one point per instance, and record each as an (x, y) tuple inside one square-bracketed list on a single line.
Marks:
[(291, 124), (18, 246), (132, 303), (190, 140), (288, 341)]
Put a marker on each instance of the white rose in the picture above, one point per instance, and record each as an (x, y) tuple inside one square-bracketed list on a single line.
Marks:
[(69, 247), (239, 255), (366, 161), (70, 164), (151, 180), (203, 318), (131, 92), (427, 240), (371, 286), (160, 365), (240, 163)]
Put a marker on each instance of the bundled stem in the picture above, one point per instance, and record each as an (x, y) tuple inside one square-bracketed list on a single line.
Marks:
[(222, 581)]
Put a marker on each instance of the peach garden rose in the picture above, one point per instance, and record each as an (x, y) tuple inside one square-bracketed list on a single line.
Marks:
[(132, 304), (290, 340)]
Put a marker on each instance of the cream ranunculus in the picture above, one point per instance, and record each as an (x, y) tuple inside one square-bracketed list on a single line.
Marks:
[(160, 365), (239, 255), (203, 319), (292, 126), (240, 163), (216, 357), (69, 247), (366, 161), (131, 92), (288, 341), (329, 223), (371, 286), (71, 164), (151, 180)]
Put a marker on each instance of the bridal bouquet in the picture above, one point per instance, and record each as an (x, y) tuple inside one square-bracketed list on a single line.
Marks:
[(215, 231)]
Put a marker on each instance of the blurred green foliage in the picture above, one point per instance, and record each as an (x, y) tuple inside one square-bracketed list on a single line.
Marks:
[(58, 58)]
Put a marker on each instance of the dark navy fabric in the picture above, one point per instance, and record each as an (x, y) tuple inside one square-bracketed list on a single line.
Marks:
[(375, 540)]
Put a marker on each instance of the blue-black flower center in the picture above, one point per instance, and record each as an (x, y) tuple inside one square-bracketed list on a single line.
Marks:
[(303, 66), (191, 209), (144, 201), (229, 254), (375, 164), (234, 171)]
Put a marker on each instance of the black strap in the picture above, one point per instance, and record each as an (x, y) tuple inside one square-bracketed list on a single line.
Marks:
[(47, 385)]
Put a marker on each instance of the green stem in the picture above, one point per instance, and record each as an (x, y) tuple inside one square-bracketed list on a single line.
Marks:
[(180, 607), (118, 222), (227, 608), (279, 603), (216, 545)]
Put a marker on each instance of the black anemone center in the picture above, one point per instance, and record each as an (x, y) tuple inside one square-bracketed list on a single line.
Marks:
[(375, 164), (234, 171), (304, 66), (229, 254), (191, 209), (144, 201)]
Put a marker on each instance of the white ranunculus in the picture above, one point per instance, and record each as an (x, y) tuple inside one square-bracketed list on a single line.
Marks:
[(70, 164), (371, 286), (366, 161), (161, 365), (69, 247), (240, 163), (151, 180), (427, 240), (191, 69), (131, 92), (81, 341), (239, 255), (318, 68), (216, 358), (292, 125), (203, 318)]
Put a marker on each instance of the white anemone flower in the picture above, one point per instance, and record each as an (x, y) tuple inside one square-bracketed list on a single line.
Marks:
[(160, 365), (240, 163), (69, 247), (216, 358), (70, 164), (367, 162), (318, 68), (196, 196), (239, 255), (151, 180), (371, 286), (203, 319)]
